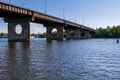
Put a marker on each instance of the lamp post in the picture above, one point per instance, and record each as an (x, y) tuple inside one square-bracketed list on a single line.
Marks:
[(45, 6), (63, 13), (75, 17)]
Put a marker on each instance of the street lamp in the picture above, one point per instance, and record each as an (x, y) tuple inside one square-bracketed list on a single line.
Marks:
[(45, 6), (63, 13), (75, 17)]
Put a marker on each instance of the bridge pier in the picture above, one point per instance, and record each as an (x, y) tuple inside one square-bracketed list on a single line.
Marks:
[(68, 35), (58, 36), (73, 34), (84, 34), (25, 33)]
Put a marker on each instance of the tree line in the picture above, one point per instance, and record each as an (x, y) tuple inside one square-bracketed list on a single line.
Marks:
[(108, 32), (43, 35), (3, 35)]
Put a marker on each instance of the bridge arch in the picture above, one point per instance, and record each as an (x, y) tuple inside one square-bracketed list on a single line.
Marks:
[(72, 34), (82, 34), (54, 31), (85, 34), (55, 36)]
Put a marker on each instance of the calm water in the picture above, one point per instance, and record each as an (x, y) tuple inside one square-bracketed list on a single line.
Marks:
[(92, 59)]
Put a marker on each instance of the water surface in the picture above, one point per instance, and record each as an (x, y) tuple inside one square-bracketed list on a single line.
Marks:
[(90, 59)]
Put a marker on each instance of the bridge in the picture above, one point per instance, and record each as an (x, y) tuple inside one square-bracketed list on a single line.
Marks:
[(16, 15)]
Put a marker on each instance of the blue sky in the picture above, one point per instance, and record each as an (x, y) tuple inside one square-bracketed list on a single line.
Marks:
[(93, 13)]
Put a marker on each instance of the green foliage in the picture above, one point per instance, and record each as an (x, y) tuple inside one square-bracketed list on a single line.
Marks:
[(42, 35), (72, 33), (109, 32), (89, 36), (64, 34), (55, 33), (3, 35), (38, 35)]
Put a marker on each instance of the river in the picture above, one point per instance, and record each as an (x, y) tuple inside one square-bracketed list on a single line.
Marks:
[(89, 59)]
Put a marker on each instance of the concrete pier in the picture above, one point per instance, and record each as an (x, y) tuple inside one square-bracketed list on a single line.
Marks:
[(68, 35), (76, 34), (58, 36), (24, 35), (84, 34)]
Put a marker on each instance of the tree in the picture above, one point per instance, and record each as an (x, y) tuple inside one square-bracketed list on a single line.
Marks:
[(109, 32)]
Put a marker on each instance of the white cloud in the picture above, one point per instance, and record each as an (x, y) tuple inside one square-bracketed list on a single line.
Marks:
[(3, 27), (35, 28)]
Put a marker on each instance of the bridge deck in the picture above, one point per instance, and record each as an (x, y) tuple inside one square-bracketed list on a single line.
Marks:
[(11, 11)]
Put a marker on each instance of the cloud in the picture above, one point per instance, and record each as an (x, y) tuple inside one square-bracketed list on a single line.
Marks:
[(35, 28)]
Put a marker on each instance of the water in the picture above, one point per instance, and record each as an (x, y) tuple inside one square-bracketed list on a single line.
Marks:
[(91, 59)]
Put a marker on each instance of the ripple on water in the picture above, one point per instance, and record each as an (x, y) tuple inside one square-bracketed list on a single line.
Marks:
[(92, 59)]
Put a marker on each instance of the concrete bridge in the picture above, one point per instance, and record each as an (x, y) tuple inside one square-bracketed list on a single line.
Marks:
[(16, 15)]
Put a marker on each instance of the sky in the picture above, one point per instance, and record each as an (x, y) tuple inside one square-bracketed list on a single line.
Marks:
[(92, 13)]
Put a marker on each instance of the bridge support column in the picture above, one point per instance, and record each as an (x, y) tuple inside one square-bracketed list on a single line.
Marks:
[(84, 34), (76, 34), (73, 34), (25, 33), (68, 34), (58, 36)]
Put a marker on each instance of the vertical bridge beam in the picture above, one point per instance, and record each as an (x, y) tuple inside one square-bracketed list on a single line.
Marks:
[(24, 35), (59, 35)]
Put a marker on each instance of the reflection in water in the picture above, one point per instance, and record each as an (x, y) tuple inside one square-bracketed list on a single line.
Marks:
[(68, 60), (18, 61)]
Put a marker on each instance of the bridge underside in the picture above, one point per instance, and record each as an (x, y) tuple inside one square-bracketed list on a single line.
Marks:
[(71, 32)]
